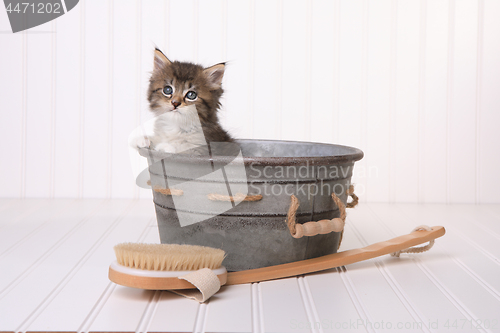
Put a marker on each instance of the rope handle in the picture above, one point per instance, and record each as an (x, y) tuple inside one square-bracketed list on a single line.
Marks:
[(168, 191), (236, 197), (211, 196), (354, 197), (313, 228), (417, 249)]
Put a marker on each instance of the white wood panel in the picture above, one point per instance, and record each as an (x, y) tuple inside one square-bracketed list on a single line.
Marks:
[(282, 306), (492, 209), (181, 23), (151, 26), (476, 261), (471, 298), (12, 110), (414, 84), (124, 94), (17, 232), (237, 80), (267, 92), (456, 283), (68, 105), (322, 67), (71, 245), (462, 115), (96, 102), (4, 203), (350, 73), (489, 105), (336, 310), (211, 44), (152, 29), (122, 308), (406, 120), (85, 283), (358, 178), (377, 149), (472, 229), (31, 233), (211, 39), (39, 110), (404, 273), (374, 291), (352, 93), (166, 314), (488, 217), (230, 310), (295, 105), (10, 213), (432, 157)]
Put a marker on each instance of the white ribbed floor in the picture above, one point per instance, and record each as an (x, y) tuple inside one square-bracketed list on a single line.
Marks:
[(54, 257)]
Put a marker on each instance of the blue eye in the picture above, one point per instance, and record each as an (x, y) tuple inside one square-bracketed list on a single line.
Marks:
[(168, 90), (191, 95)]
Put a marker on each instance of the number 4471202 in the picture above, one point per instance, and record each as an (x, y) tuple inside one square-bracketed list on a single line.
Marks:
[(471, 323), (39, 8)]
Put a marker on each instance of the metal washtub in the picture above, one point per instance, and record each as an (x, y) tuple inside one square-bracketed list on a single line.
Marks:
[(253, 233)]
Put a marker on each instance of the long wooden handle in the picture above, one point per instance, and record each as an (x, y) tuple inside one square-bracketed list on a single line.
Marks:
[(335, 259)]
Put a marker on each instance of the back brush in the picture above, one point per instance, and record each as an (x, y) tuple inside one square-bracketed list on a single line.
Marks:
[(158, 266)]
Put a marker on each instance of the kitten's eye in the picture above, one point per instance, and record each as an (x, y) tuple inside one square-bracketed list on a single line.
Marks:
[(191, 95), (168, 90)]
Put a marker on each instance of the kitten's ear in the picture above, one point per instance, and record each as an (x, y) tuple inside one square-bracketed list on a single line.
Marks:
[(161, 61), (214, 75)]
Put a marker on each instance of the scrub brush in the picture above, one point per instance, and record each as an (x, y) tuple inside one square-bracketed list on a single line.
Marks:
[(153, 266), (162, 266)]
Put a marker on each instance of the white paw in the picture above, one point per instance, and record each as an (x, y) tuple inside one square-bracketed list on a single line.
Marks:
[(140, 142), (165, 147)]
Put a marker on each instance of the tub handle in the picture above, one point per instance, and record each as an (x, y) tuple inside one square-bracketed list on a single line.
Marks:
[(236, 197), (354, 197), (211, 196), (315, 228), (168, 191)]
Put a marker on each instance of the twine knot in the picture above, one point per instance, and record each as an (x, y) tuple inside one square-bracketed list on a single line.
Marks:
[(418, 249)]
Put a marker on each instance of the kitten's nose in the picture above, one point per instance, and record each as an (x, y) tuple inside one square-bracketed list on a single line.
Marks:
[(176, 103)]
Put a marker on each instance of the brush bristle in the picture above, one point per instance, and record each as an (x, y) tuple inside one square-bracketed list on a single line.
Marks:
[(168, 257)]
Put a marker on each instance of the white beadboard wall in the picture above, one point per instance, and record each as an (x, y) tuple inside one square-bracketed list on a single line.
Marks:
[(414, 84)]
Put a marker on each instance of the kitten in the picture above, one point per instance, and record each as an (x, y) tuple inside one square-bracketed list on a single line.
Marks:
[(185, 97)]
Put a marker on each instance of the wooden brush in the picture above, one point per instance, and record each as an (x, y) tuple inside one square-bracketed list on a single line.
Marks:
[(137, 262), (159, 266), (336, 259)]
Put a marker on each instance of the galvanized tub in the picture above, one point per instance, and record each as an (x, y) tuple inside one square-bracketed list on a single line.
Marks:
[(253, 233)]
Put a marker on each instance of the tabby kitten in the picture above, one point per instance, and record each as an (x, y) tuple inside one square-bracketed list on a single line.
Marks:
[(185, 97)]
